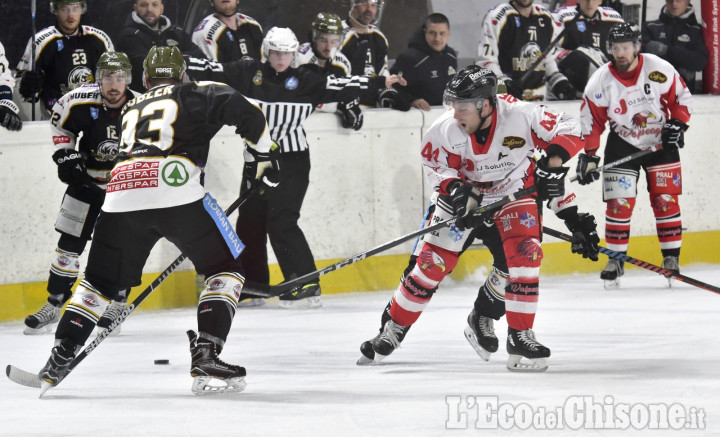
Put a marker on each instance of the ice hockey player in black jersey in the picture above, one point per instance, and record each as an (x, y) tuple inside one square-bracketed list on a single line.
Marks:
[(364, 44), (228, 35), (584, 46), (9, 118), (84, 132), (287, 96), (514, 35), (155, 191), (65, 55)]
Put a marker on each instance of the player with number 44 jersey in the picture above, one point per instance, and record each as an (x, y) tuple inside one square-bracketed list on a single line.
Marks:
[(645, 102)]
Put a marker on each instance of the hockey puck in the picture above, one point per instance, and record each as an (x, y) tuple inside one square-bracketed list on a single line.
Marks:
[(161, 362)]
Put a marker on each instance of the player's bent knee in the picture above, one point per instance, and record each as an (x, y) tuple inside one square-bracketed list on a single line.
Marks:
[(223, 287), (523, 252), (434, 263), (88, 302), (620, 208), (664, 205)]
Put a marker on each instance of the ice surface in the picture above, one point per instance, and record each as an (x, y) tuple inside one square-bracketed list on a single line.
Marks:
[(641, 344)]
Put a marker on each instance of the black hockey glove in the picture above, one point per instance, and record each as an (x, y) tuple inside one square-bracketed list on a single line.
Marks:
[(510, 88), (31, 83), (673, 134), (267, 166), (71, 166), (464, 199), (585, 170), (585, 239), (550, 182), (350, 114), (391, 98), (561, 87), (9, 118)]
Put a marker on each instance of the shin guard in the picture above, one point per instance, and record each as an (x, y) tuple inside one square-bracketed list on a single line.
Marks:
[(217, 305), (617, 223), (82, 314), (524, 256), (668, 221)]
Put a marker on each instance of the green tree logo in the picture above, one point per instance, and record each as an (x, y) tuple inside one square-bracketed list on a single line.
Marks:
[(175, 174)]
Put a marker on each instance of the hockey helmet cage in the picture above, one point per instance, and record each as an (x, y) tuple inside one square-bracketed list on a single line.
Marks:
[(113, 62), (472, 84), (164, 63), (55, 4), (326, 22), (280, 39)]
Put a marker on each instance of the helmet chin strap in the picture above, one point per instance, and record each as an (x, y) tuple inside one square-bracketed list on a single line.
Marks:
[(483, 119)]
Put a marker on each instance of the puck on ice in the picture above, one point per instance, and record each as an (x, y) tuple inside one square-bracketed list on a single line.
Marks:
[(161, 362)]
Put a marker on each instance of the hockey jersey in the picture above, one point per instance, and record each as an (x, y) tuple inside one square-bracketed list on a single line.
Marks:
[(81, 114), (286, 98), (339, 65), (221, 43), (7, 83), (367, 53), (587, 32), (165, 141), (66, 62), (636, 103), (499, 166), (511, 42)]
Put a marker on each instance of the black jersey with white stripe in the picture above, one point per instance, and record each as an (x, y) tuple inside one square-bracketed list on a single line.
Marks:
[(287, 99)]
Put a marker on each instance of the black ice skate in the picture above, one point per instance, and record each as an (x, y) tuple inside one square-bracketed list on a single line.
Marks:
[(44, 321), (388, 340), (522, 344), (57, 365), (208, 370), (671, 263), (612, 273), (112, 312), (306, 297), (367, 356), (480, 333)]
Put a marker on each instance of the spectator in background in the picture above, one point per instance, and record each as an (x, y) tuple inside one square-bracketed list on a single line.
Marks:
[(65, 55), (513, 36), (9, 118), (365, 45), (677, 38), (147, 27), (428, 64), (228, 35), (584, 47)]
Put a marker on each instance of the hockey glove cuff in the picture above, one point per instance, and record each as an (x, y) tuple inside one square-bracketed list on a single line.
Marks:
[(585, 239), (391, 98), (350, 114), (464, 199), (673, 134), (550, 181), (586, 170), (267, 167), (71, 166), (31, 83), (561, 87), (9, 118)]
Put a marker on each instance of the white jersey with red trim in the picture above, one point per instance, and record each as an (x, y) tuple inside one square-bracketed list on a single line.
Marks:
[(499, 166), (637, 103)]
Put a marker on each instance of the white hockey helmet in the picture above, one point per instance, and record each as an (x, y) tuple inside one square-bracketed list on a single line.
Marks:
[(280, 39)]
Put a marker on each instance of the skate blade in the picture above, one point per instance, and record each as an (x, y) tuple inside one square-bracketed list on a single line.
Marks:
[(251, 303), (302, 304), (44, 387), (611, 284), (518, 363), (207, 385), (47, 329), (365, 361), (472, 339)]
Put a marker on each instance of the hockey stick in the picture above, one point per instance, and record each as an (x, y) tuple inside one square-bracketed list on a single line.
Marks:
[(33, 10), (640, 263), (287, 286), (621, 161), (547, 51), (32, 380)]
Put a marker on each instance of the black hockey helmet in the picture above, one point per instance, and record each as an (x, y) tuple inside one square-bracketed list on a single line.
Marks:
[(472, 84), (55, 4), (624, 32)]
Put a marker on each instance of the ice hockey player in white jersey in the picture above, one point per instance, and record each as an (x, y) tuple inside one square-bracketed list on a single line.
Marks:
[(84, 129), (227, 35), (65, 55), (9, 118), (513, 36), (645, 102), (584, 47), (477, 152)]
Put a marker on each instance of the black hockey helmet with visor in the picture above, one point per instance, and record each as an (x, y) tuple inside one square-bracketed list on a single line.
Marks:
[(470, 87), (623, 32)]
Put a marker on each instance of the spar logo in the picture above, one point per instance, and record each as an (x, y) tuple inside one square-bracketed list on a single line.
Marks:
[(175, 174)]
